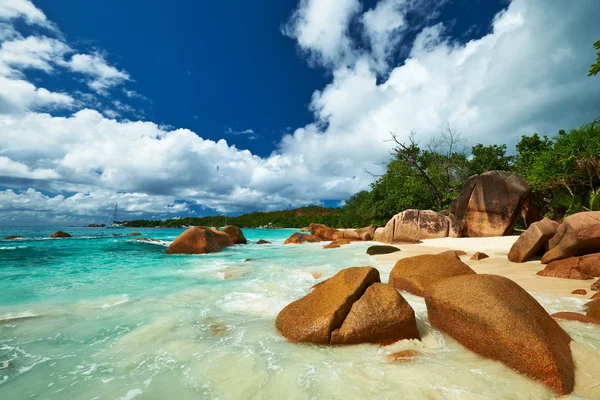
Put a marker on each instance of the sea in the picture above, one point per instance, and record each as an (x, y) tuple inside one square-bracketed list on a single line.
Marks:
[(99, 316)]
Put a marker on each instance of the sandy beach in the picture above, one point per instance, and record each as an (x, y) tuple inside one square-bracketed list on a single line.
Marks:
[(525, 274)]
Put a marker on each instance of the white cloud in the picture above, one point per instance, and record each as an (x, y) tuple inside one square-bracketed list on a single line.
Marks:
[(101, 75), (529, 74), (321, 29), (33, 52), (18, 95), (11, 9)]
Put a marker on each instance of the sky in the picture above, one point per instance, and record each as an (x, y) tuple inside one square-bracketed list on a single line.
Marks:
[(206, 109)]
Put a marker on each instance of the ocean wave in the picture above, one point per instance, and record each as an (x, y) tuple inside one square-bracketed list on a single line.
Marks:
[(9, 248), (156, 242), (21, 315)]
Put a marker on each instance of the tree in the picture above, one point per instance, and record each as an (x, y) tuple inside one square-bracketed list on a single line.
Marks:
[(595, 68), (489, 158), (441, 167)]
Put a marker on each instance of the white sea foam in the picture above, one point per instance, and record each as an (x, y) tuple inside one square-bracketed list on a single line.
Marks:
[(16, 316), (9, 248), (253, 303)]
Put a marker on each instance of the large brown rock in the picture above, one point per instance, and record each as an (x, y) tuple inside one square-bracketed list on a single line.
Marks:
[(490, 204), (533, 240), (299, 238), (496, 318), (314, 227), (221, 237), (315, 316), (196, 240), (381, 249), (592, 309), (60, 234), (579, 234), (367, 233), (416, 274), (235, 233), (566, 269), (417, 224), (349, 234), (380, 316), (325, 234)]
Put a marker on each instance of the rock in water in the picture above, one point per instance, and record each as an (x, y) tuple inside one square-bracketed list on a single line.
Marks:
[(315, 316), (415, 274), (299, 238), (566, 269), (496, 318), (572, 316), (196, 240), (380, 316), (490, 204), (381, 249), (235, 233), (60, 234), (135, 234), (533, 240), (221, 237), (579, 234), (261, 241), (13, 237), (592, 309), (337, 243)]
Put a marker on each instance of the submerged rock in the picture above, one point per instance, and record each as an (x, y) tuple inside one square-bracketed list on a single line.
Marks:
[(135, 234), (381, 315), (197, 240), (573, 316), (381, 249), (315, 316), (496, 318), (60, 234), (261, 241), (533, 240), (403, 357), (579, 234), (490, 204), (235, 234), (13, 237), (416, 274)]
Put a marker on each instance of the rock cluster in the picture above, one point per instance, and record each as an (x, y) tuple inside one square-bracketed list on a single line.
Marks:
[(411, 225), (533, 241), (349, 308)]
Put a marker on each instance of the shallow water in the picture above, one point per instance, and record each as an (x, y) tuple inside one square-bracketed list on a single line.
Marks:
[(103, 317)]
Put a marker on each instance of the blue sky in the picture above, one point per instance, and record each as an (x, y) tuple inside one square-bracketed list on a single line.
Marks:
[(236, 106)]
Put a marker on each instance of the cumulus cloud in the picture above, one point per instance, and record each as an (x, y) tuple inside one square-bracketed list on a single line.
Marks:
[(11, 9), (101, 75), (321, 29), (528, 74)]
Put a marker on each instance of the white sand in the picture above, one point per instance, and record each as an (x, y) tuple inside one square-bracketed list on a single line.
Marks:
[(497, 249)]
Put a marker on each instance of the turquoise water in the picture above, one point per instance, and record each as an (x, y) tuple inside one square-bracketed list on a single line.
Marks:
[(103, 317)]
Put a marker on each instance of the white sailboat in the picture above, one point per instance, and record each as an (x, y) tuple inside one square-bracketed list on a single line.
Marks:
[(110, 224)]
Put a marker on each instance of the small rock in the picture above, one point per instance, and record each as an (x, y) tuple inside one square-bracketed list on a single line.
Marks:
[(60, 234), (403, 357), (261, 241), (381, 249), (579, 291), (572, 316), (317, 275), (13, 237), (248, 259), (596, 285), (337, 243), (479, 256), (566, 269), (135, 234)]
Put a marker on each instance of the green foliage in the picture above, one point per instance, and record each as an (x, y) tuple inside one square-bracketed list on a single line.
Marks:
[(595, 68), (489, 158), (295, 218), (564, 172)]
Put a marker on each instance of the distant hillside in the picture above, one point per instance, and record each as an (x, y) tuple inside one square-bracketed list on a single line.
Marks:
[(295, 218)]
